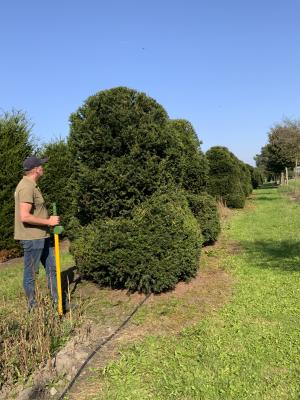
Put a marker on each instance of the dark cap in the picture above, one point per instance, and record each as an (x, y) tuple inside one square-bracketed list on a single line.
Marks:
[(32, 162)]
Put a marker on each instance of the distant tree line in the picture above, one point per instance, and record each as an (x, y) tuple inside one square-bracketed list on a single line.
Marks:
[(282, 150), (137, 195)]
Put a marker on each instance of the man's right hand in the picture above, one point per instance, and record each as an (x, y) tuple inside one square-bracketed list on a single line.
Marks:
[(54, 220)]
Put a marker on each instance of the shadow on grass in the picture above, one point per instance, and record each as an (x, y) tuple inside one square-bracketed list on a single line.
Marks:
[(269, 185), (265, 197), (268, 254)]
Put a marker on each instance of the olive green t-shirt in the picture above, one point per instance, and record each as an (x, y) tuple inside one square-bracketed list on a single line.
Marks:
[(27, 191)]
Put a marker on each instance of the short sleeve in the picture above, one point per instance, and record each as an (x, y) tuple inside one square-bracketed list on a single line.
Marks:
[(26, 195)]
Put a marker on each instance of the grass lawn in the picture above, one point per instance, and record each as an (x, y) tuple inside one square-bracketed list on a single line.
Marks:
[(250, 348)]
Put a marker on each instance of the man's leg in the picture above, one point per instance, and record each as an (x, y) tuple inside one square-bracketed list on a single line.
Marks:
[(48, 262), (32, 256)]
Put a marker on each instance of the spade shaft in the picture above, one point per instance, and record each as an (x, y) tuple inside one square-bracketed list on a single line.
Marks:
[(57, 231)]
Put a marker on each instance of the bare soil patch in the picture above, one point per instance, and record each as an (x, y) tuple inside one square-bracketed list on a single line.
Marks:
[(6, 255)]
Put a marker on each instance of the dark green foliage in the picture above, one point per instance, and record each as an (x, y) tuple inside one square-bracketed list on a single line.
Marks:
[(204, 208), (120, 145), (245, 178), (55, 183), (116, 187), (192, 163), (125, 148), (257, 177), (15, 146), (225, 177), (159, 246), (113, 122)]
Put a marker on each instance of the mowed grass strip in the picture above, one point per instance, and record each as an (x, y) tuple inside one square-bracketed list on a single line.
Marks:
[(250, 349)]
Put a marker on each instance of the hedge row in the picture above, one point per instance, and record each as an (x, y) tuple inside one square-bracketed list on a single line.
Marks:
[(135, 191), (229, 178)]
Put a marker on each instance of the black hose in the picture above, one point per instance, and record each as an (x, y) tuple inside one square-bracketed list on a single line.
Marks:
[(109, 338)]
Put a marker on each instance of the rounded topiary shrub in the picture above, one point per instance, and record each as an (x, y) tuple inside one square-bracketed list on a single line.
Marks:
[(225, 177), (124, 148), (235, 200), (245, 178), (204, 208), (256, 176), (190, 160), (159, 246), (120, 145)]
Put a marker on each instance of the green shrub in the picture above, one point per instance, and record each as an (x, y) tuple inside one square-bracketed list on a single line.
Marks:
[(225, 177), (125, 148), (245, 178), (15, 146), (193, 165), (159, 246), (257, 178), (236, 199), (55, 183), (204, 208), (119, 143)]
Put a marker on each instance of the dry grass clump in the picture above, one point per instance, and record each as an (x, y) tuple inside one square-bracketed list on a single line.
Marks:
[(29, 339), (223, 210)]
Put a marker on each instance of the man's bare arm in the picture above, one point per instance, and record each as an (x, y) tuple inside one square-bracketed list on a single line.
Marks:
[(28, 218)]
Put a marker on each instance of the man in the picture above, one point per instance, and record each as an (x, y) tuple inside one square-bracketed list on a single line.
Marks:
[(32, 229)]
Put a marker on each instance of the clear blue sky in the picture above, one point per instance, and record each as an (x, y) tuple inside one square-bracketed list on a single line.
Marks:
[(232, 68)]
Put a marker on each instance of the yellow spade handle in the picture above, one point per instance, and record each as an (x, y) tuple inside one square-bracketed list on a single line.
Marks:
[(58, 275)]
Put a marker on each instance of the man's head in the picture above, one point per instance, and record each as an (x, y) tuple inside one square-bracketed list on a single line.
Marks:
[(34, 166)]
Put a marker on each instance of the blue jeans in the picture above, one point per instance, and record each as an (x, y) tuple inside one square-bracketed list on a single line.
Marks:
[(35, 252)]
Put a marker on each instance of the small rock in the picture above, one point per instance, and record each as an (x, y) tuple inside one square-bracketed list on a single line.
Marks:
[(53, 391), (64, 362)]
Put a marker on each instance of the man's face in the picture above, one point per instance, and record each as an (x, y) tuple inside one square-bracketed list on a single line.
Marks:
[(40, 171)]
